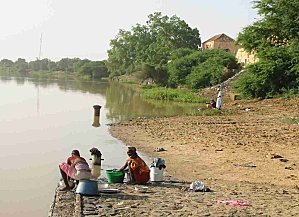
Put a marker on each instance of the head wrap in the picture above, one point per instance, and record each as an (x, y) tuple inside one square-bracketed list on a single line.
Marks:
[(131, 149), (76, 152)]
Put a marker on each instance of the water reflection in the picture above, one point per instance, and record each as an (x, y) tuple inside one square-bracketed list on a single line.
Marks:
[(20, 80), (63, 84), (34, 143), (123, 103)]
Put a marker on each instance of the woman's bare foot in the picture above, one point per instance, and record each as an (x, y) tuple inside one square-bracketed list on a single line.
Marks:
[(72, 185)]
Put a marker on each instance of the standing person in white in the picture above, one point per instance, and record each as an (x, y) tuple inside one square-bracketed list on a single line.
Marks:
[(219, 99)]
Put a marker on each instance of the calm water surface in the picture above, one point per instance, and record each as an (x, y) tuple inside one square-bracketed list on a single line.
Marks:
[(42, 121)]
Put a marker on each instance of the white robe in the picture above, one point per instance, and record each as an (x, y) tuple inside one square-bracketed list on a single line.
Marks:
[(219, 100)]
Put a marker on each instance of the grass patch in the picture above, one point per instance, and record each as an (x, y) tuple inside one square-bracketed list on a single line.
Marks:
[(290, 120), (211, 112), (169, 94), (290, 93), (129, 82)]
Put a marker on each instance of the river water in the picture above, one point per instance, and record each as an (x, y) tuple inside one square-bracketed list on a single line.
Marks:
[(41, 121)]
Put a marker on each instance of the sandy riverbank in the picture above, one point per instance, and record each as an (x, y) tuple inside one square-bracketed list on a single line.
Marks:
[(248, 153)]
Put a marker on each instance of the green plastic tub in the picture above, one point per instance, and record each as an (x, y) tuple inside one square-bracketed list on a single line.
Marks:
[(115, 177)]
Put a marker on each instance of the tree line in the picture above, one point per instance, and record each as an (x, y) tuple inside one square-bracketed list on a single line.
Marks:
[(77, 67)]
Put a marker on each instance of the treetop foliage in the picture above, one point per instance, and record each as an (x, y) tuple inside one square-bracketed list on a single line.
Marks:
[(275, 37), (279, 24), (151, 44)]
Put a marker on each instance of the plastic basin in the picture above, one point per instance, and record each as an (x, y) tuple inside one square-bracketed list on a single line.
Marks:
[(87, 187), (115, 177)]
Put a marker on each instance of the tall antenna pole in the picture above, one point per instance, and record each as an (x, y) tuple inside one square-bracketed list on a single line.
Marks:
[(40, 46), (39, 55), (37, 99)]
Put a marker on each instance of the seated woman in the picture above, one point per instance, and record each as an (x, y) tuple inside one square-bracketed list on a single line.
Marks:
[(211, 104), (75, 168), (138, 170)]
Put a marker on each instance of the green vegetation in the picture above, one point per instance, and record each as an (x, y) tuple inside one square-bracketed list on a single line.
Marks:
[(201, 69), (164, 51), (129, 82), (169, 94), (167, 51), (210, 112), (150, 45), (45, 68), (291, 120), (275, 38)]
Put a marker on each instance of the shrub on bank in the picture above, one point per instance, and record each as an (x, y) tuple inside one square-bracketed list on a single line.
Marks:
[(169, 94)]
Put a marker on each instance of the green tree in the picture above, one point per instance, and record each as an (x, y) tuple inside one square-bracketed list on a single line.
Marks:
[(98, 69), (152, 45), (94, 69), (52, 66), (6, 63), (38, 65), (21, 66), (275, 38), (179, 69), (122, 54), (206, 74), (66, 64), (34, 65)]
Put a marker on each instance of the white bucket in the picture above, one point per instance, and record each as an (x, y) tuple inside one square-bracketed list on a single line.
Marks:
[(156, 174)]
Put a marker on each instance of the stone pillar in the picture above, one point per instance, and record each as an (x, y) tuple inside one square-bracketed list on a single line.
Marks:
[(96, 117)]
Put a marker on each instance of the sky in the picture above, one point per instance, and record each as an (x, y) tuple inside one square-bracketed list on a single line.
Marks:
[(57, 29)]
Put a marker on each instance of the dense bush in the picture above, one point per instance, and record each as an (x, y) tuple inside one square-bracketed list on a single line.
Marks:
[(276, 72), (161, 93), (275, 39), (201, 68)]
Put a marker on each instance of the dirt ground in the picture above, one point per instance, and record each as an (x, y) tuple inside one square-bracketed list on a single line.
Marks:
[(248, 152)]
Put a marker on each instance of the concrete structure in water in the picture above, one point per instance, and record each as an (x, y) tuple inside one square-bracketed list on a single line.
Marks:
[(96, 117)]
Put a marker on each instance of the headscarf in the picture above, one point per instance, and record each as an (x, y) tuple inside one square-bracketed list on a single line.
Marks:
[(131, 149), (76, 153)]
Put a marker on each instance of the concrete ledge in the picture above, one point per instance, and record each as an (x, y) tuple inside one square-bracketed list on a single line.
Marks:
[(234, 97), (63, 204)]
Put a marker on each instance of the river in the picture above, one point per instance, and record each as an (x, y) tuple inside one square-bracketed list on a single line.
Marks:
[(41, 121)]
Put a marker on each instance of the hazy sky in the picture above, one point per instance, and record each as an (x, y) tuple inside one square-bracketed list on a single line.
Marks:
[(84, 28)]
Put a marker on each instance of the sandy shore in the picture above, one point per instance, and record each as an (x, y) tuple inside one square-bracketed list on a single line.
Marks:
[(243, 144), (247, 153)]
